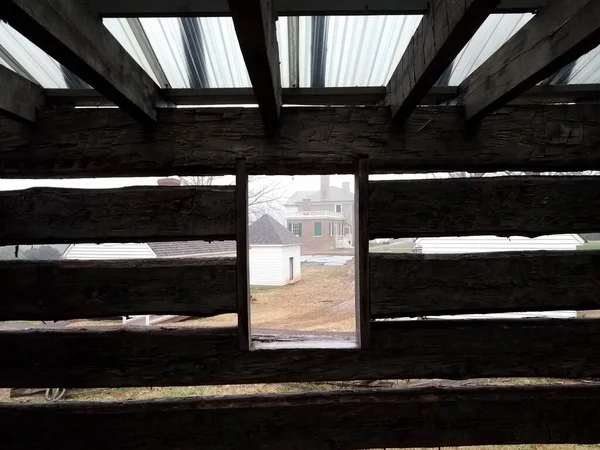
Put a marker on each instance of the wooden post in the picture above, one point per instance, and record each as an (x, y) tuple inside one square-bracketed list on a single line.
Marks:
[(241, 229), (363, 306)]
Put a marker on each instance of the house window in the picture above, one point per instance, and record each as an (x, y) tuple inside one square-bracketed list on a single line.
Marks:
[(318, 231), (338, 209), (295, 228)]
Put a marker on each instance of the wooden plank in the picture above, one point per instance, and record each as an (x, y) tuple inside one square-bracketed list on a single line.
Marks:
[(19, 97), (450, 349), (558, 34), (58, 215), (242, 253), (72, 34), (363, 303), (443, 32), (193, 8), (503, 206), (254, 22), (384, 418), (63, 290), (105, 142), (418, 285)]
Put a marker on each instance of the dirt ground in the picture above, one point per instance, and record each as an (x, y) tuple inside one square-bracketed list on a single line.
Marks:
[(323, 300)]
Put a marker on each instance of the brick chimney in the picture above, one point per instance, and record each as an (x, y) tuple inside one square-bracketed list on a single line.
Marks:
[(306, 205), (324, 187), (346, 186), (168, 182)]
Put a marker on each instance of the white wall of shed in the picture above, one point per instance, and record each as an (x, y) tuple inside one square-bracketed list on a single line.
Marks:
[(109, 251), (269, 264)]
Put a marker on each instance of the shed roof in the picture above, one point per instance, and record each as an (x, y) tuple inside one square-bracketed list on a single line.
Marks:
[(187, 248), (267, 231)]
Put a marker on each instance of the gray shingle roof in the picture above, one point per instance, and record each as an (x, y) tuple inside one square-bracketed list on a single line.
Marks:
[(188, 248), (336, 194), (267, 231)]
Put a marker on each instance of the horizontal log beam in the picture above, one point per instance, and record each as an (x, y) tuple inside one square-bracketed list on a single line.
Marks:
[(558, 34), (180, 8), (106, 142), (408, 349), (62, 290), (19, 97), (432, 417), (58, 215), (418, 285), (502, 206), (73, 35)]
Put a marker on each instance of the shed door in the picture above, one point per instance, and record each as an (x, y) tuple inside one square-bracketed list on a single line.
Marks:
[(291, 269)]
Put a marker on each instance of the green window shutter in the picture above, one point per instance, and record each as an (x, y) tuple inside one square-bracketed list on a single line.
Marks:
[(299, 230), (318, 229)]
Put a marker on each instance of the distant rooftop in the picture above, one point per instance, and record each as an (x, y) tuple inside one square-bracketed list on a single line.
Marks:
[(336, 194), (189, 248), (267, 231)]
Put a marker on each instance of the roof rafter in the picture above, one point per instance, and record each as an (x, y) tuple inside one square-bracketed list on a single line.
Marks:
[(254, 22), (559, 34), (441, 35), (19, 97), (70, 32)]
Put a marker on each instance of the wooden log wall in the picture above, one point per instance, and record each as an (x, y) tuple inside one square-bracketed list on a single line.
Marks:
[(417, 285), (503, 206), (57, 215), (61, 290), (322, 420), (448, 349)]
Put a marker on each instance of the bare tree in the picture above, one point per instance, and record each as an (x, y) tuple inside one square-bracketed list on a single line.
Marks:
[(264, 194)]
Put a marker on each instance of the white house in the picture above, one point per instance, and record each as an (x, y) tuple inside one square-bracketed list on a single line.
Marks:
[(274, 253)]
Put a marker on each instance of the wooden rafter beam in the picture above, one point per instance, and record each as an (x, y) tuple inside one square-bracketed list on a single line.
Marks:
[(560, 33), (254, 22), (441, 35), (19, 97), (68, 143), (429, 416), (70, 32), (194, 8)]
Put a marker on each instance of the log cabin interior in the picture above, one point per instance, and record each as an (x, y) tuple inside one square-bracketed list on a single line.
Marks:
[(525, 108)]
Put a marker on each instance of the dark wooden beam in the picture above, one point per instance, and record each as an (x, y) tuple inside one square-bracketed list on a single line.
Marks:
[(503, 206), (106, 142), (71, 33), (451, 349), (181, 8), (412, 285), (62, 290), (57, 215), (558, 34), (254, 22), (443, 32), (361, 237), (242, 254), (386, 418), (19, 97)]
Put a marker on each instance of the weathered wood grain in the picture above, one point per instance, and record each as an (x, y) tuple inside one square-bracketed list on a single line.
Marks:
[(62, 290), (418, 285), (432, 417), (444, 30), (134, 214), (72, 34), (361, 236), (558, 34), (106, 142), (19, 97), (503, 206), (407, 349), (242, 254), (254, 22), (181, 8)]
